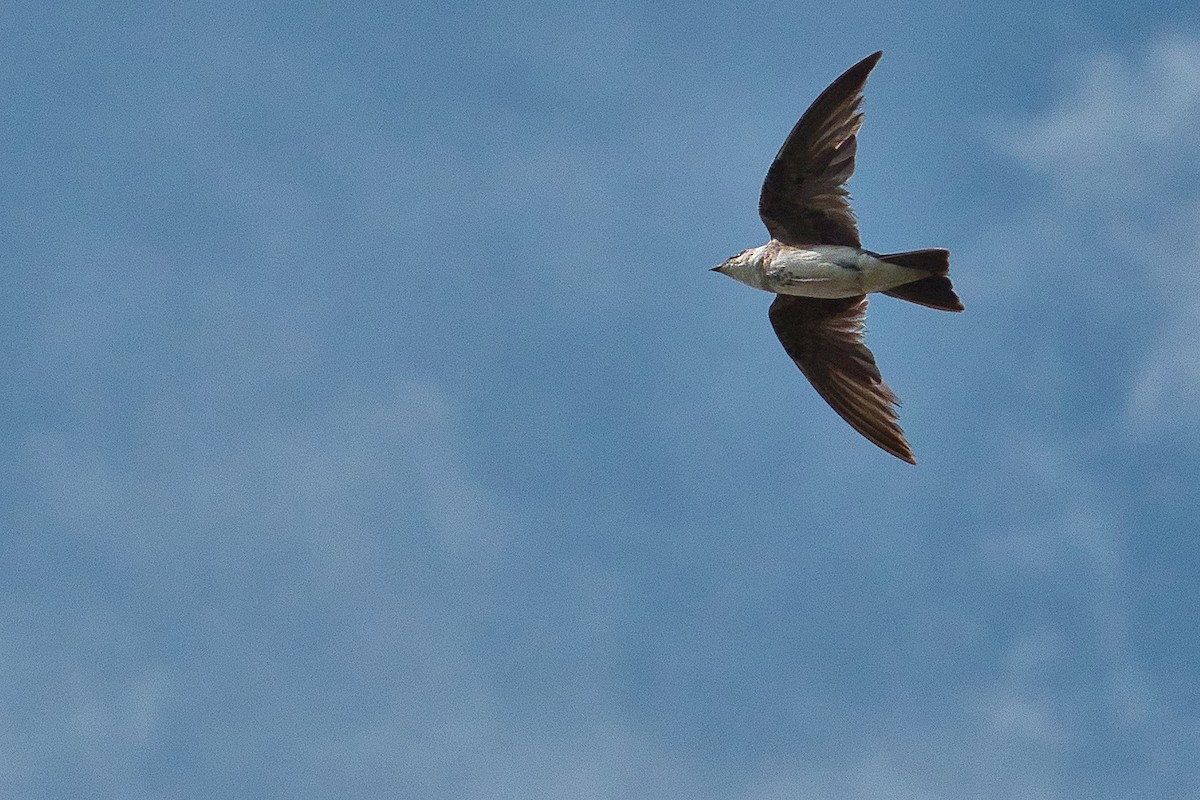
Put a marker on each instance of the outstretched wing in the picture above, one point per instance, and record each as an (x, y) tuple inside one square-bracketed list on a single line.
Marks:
[(824, 338), (803, 199)]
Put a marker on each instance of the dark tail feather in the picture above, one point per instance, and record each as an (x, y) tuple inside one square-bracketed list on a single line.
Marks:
[(935, 260), (935, 291)]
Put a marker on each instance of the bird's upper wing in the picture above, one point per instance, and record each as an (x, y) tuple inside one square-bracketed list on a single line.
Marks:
[(803, 200), (824, 338)]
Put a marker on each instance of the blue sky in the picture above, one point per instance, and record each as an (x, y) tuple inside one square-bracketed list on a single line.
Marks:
[(373, 427)]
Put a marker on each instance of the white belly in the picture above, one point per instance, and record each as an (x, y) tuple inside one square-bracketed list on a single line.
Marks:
[(831, 271)]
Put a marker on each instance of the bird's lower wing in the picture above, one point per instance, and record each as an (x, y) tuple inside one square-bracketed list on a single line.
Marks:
[(824, 338)]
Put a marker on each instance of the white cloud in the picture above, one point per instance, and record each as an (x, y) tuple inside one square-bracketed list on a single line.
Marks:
[(1122, 127), (1075, 680), (363, 517), (1122, 154)]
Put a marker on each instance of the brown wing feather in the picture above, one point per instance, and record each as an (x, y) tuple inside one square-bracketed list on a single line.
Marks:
[(803, 198), (824, 338)]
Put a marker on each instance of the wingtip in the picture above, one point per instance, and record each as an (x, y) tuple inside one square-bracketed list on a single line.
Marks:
[(899, 449), (863, 68)]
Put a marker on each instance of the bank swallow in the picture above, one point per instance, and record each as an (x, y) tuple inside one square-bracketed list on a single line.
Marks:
[(819, 272)]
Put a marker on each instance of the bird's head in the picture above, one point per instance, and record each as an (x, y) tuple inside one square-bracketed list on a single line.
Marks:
[(731, 264)]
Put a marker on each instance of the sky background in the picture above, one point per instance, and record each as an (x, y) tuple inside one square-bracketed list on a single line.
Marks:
[(371, 426)]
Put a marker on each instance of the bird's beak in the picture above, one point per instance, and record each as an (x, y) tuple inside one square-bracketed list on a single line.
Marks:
[(716, 269)]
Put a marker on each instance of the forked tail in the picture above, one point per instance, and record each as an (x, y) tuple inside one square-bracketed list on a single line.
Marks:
[(936, 291)]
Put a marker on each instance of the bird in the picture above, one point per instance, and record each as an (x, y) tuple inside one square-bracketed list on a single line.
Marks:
[(821, 275)]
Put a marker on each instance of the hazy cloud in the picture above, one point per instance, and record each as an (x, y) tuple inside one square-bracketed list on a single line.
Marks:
[(1121, 152)]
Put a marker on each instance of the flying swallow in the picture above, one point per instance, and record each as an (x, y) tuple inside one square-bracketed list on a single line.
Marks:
[(819, 272)]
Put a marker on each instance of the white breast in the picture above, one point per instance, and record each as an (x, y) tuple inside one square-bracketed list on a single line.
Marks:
[(821, 271), (831, 271)]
